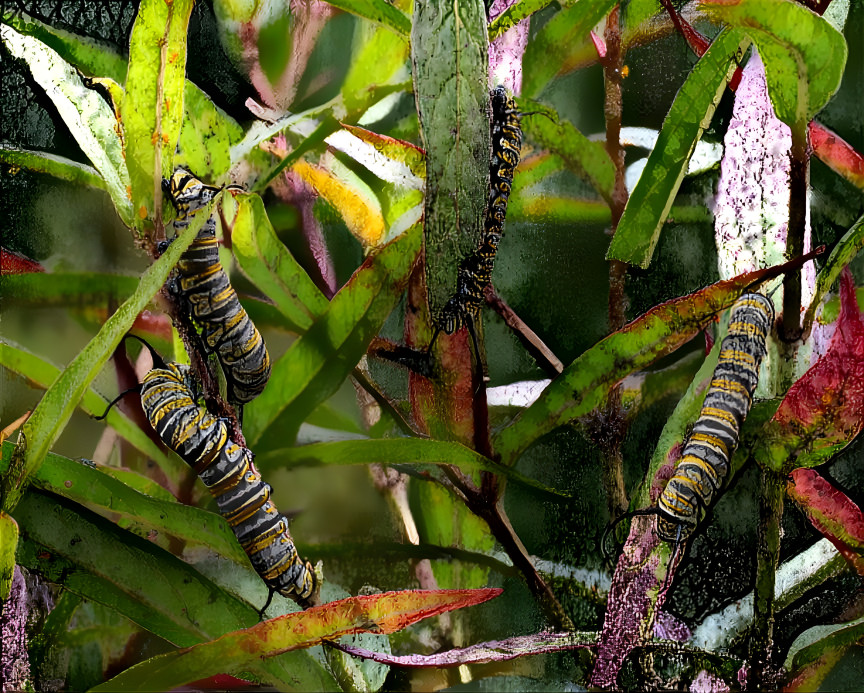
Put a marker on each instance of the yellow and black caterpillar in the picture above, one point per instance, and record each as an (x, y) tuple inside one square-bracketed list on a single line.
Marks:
[(226, 468), (203, 287), (475, 271), (705, 459)]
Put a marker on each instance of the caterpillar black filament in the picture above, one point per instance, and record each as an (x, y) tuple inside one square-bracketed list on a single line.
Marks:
[(705, 459), (475, 271), (212, 303), (226, 468)]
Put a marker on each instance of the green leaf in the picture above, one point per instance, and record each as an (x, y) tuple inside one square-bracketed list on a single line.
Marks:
[(53, 411), (317, 363), (42, 374), (842, 254), (586, 159), (87, 115), (451, 89), (152, 110), (137, 512), (375, 613), (379, 11), (86, 53), (62, 289), (652, 198), (549, 51), (269, 264), (57, 166), (821, 641), (513, 15), (206, 136), (804, 54), (393, 451), (382, 54), (8, 545), (585, 383)]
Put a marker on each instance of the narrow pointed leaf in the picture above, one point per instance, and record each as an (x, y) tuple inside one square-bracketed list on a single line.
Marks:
[(513, 15), (53, 411), (42, 374), (379, 11), (88, 116), (832, 512), (378, 613), (550, 50), (206, 136), (586, 159), (820, 645), (804, 54), (824, 410), (62, 289), (317, 363), (269, 264), (649, 204), (841, 255), (482, 653), (57, 166), (394, 451), (837, 154), (152, 109), (585, 383)]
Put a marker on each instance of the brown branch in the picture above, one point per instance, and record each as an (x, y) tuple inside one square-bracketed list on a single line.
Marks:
[(535, 346), (799, 175)]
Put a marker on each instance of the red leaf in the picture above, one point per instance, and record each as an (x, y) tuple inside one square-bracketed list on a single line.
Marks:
[(16, 263), (837, 154), (832, 512), (824, 410)]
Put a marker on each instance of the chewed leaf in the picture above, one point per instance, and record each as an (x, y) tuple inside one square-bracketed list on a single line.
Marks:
[(824, 410), (377, 613), (832, 512)]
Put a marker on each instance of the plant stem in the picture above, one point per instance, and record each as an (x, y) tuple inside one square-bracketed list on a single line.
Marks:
[(799, 175), (773, 489), (610, 430)]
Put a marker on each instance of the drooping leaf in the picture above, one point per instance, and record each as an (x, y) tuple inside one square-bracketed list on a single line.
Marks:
[(89, 118), (804, 54), (837, 154), (42, 374), (269, 264), (152, 108), (87, 54), (355, 203), (832, 512), (377, 613), (97, 560), (53, 411), (585, 383), (395, 154), (649, 204), (317, 363), (824, 410), (482, 653), (96, 490), (57, 166), (550, 50), (815, 652), (585, 158), (451, 89), (380, 11)]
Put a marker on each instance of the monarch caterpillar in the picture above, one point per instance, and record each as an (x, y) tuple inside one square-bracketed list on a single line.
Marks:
[(226, 468), (475, 271), (704, 462), (205, 290)]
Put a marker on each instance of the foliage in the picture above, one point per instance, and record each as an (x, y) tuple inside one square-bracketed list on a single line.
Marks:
[(359, 131)]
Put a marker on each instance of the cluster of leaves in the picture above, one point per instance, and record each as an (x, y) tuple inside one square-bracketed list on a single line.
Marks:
[(336, 148)]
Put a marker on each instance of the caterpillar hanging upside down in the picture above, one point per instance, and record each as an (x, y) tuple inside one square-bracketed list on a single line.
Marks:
[(475, 271), (204, 289)]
